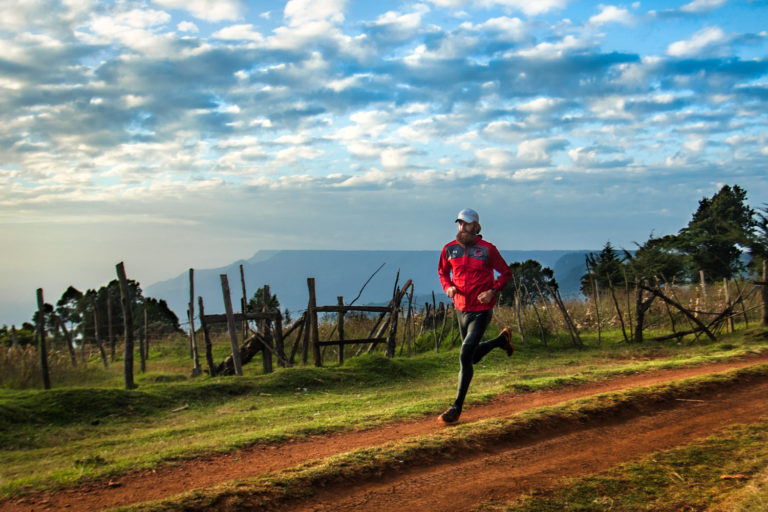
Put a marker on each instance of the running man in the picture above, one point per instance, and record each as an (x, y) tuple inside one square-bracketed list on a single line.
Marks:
[(466, 271)]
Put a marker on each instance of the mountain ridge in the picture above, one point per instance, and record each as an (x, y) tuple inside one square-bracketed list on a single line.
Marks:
[(340, 273)]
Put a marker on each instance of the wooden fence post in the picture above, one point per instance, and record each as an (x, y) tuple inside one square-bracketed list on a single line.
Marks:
[(244, 302), (146, 334), (279, 343), (266, 354), (68, 337), (110, 330), (125, 302), (192, 339), (305, 340), (728, 304), (312, 318), (207, 336), (340, 328), (142, 352), (97, 335), (764, 292), (231, 325), (42, 349), (434, 323)]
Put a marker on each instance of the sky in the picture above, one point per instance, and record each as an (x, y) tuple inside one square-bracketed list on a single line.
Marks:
[(177, 134)]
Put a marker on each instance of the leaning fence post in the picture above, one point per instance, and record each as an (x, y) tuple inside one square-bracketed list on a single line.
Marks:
[(97, 335), (208, 346), (231, 325), (42, 350), (125, 302), (728, 304)]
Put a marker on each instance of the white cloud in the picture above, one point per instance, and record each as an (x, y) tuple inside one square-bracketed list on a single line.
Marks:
[(610, 107), (135, 29), (187, 26), (301, 12), (530, 7), (556, 50), (405, 23), (702, 5), (539, 105), (394, 158), (209, 10), (612, 14), (423, 131), (535, 150), (496, 157), (342, 84), (695, 144), (238, 33), (700, 42), (291, 155), (504, 28)]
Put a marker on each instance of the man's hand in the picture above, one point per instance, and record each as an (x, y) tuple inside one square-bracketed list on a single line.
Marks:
[(487, 296), (450, 292)]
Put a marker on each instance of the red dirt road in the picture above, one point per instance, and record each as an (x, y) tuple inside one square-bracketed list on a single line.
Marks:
[(465, 482)]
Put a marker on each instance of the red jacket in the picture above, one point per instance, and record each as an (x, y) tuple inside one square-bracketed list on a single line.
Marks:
[(470, 269)]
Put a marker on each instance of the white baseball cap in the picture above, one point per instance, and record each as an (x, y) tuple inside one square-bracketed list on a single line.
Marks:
[(468, 215)]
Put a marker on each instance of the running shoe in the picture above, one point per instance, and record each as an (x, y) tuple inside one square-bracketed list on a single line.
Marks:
[(508, 347), (449, 416)]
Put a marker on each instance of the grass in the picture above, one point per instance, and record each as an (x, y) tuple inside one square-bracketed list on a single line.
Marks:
[(57, 438)]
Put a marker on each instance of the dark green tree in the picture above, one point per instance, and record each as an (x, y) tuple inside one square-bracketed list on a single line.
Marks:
[(607, 265), (758, 245), (24, 336), (528, 276), (68, 307), (256, 304), (656, 258), (716, 236)]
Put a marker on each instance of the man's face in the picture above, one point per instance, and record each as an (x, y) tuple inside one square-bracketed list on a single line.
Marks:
[(466, 232), (466, 227)]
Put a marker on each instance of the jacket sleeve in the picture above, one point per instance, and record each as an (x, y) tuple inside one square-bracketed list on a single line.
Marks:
[(444, 271), (500, 266)]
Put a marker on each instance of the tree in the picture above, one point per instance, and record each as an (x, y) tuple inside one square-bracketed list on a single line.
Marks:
[(714, 238), (68, 307), (530, 276), (758, 250), (24, 336), (656, 258), (606, 265), (256, 304)]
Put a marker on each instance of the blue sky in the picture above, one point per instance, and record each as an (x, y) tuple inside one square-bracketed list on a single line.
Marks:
[(171, 134)]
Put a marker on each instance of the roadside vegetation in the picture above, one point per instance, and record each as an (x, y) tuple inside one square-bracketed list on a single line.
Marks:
[(69, 434)]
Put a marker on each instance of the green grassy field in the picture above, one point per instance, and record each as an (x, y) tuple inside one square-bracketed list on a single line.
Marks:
[(56, 438)]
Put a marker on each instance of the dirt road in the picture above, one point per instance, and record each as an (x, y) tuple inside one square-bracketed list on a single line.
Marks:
[(463, 483)]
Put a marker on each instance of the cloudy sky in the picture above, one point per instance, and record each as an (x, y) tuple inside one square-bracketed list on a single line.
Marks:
[(171, 134)]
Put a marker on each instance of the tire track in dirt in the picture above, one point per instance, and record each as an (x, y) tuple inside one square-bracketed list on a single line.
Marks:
[(199, 473)]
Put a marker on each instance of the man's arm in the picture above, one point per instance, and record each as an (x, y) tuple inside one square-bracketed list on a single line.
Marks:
[(444, 271)]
